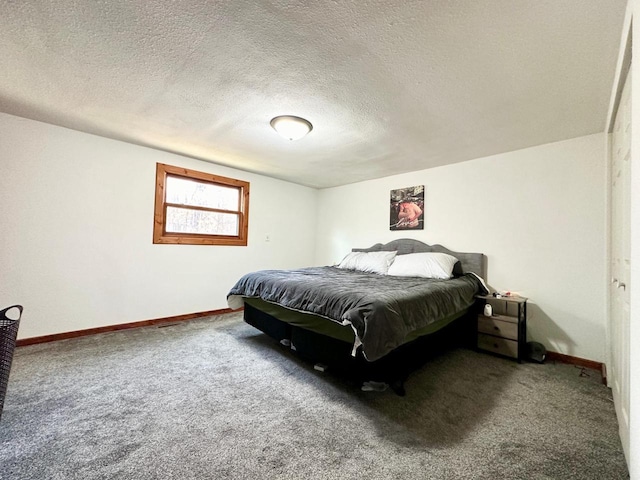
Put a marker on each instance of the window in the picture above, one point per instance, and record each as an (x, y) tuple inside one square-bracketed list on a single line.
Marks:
[(197, 208)]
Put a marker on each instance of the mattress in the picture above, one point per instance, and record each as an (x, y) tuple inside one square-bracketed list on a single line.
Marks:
[(383, 312)]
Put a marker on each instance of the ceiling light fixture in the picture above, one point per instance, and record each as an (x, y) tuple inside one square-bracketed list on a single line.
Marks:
[(291, 127)]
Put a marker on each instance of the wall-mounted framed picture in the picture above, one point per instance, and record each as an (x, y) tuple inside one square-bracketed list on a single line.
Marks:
[(406, 210)]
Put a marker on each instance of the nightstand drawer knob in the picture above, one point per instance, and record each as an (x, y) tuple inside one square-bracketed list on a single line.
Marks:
[(495, 345), (496, 328)]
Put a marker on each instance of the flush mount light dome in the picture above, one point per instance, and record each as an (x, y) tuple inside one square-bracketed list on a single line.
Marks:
[(291, 127)]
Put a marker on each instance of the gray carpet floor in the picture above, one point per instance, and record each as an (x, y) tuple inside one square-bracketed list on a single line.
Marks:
[(214, 398)]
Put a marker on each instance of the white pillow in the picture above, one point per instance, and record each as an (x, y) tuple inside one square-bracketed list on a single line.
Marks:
[(428, 265), (373, 262)]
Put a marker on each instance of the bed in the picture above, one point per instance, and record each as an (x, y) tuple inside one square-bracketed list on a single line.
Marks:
[(378, 326)]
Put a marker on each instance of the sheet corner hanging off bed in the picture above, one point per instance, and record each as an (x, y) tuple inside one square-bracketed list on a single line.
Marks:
[(235, 302)]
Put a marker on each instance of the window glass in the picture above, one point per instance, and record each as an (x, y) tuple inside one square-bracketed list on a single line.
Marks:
[(189, 192), (200, 222)]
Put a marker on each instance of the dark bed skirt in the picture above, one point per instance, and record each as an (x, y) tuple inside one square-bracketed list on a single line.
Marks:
[(392, 369)]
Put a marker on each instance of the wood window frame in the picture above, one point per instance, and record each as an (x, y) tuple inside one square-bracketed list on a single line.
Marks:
[(161, 236)]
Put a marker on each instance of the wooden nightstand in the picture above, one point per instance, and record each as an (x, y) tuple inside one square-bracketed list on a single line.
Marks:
[(505, 332)]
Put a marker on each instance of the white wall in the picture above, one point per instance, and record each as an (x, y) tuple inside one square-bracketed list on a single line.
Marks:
[(538, 214), (76, 243), (77, 216)]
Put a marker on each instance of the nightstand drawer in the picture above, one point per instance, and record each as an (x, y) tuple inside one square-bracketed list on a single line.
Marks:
[(498, 345), (496, 326)]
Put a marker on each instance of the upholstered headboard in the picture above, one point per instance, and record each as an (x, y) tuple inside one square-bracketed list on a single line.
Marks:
[(471, 262)]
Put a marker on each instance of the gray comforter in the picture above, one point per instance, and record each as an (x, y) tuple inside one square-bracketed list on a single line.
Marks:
[(381, 309)]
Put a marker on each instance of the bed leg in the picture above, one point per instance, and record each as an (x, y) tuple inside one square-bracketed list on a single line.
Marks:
[(398, 388)]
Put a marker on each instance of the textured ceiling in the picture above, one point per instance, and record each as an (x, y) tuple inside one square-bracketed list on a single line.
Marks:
[(390, 86)]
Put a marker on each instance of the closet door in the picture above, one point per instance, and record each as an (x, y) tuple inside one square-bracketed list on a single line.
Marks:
[(620, 236)]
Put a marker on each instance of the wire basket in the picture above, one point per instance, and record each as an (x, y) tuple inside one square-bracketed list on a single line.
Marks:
[(8, 335)]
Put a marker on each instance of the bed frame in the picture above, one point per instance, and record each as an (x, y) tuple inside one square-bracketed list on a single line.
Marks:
[(394, 368)]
